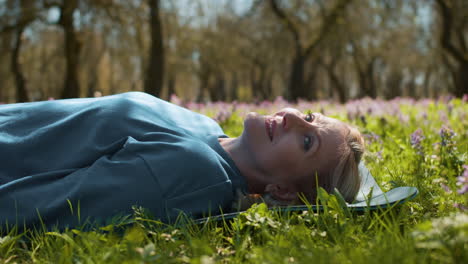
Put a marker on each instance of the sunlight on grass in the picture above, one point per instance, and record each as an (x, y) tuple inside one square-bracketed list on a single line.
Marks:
[(410, 143)]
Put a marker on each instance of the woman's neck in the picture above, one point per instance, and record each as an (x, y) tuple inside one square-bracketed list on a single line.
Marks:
[(243, 160)]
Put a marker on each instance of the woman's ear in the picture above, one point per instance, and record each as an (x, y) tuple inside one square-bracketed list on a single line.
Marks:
[(282, 192)]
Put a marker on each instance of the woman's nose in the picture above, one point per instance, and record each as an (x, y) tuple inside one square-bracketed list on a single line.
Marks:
[(291, 120)]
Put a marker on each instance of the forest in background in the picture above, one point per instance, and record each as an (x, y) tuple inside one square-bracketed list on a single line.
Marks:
[(208, 50)]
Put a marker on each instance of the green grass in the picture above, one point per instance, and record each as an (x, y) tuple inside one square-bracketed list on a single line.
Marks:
[(432, 228)]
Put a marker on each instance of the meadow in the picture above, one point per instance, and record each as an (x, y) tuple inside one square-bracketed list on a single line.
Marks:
[(421, 143)]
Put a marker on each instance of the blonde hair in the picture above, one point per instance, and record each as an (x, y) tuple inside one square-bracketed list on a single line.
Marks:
[(344, 177), (345, 174)]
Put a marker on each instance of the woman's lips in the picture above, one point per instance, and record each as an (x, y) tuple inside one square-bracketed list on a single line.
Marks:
[(270, 127), (267, 128)]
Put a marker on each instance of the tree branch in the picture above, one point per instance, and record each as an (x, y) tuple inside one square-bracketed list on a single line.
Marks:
[(52, 3), (287, 21), (445, 37), (328, 23), (461, 37), (24, 22)]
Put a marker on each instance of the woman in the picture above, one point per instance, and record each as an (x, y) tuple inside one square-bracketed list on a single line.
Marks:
[(67, 161)]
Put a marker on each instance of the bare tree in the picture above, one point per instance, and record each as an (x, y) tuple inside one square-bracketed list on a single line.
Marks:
[(21, 91), (365, 67), (155, 72), (337, 81), (304, 51), (299, 49), (453, 39), (72, 49), (27, 13)]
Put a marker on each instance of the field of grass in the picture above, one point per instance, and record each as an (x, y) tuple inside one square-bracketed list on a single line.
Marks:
[(409, 143)]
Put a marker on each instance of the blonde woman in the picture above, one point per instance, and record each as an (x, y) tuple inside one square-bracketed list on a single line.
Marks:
[(296, 151), (65, 162)]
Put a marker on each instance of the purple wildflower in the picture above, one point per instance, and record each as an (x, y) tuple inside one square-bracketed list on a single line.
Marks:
[(223, 116), (465, 98), (404, 119), (379, 154), (450, 108), (448, 98), (443, 117), (422, 115), (352, 111), (446, 134), (175, 100), (416, 139), (460, 206), (280, 102), (445, 187), (371, 138), (463, 181)]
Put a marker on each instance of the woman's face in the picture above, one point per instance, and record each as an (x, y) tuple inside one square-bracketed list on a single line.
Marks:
[(289, 145)]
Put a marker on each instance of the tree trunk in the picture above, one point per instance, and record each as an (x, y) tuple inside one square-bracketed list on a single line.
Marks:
[(372, 91), (296, 83), (461, 81), (458, 52), (338, 86), (255, 87), (4, 51), (155, 71), (263, 85), (311, 82), (21, 91), (394, 84), (92, 84), (411, 88), (171, 82), (268, 87), (366, 81), (217, 88), (204, 77), (234, 87), (71, 87), (362, 84), (426, 83), (335, 83)]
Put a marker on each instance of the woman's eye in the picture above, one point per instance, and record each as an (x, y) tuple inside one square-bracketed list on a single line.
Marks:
[(307, 143), (309, 117)]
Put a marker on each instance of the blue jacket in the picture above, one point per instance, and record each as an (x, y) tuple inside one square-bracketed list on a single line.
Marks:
[(71, 160)]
